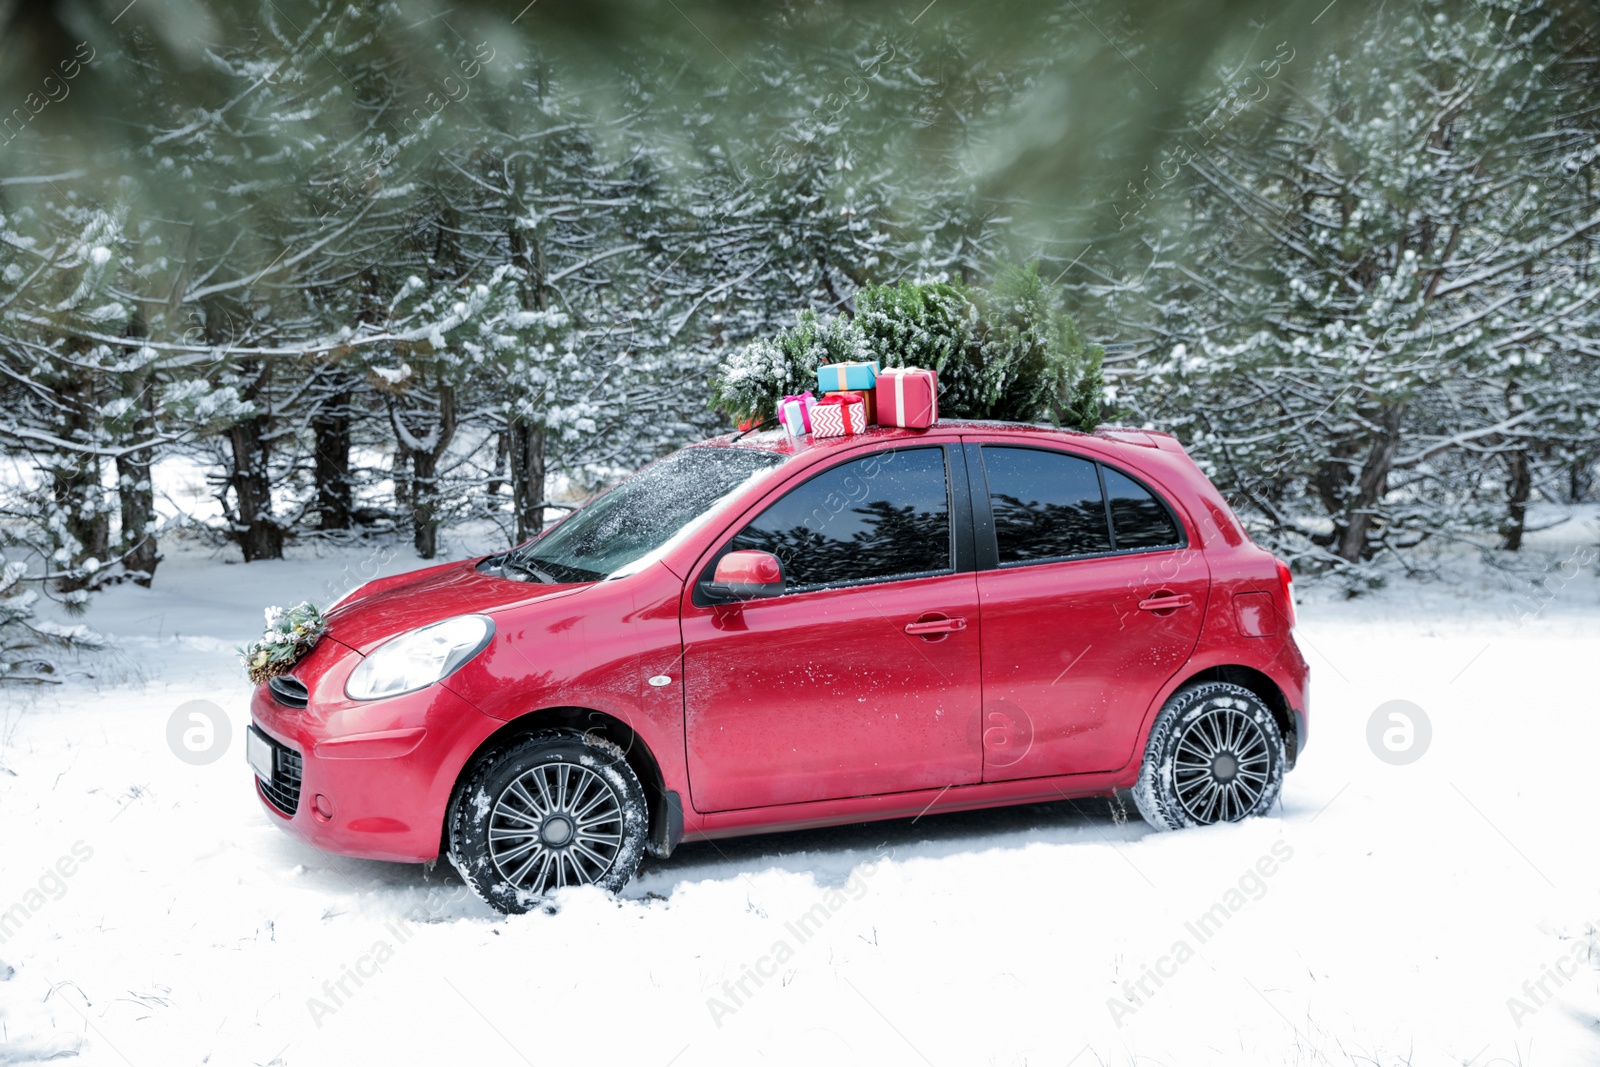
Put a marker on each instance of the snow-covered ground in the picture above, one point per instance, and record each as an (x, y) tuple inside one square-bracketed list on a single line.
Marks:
[(1443, 911)]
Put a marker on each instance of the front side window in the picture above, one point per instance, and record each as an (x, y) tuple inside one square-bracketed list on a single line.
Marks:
[(883, 516)]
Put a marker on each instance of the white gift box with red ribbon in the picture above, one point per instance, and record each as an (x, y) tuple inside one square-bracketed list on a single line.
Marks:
[(838, 415), (794, 412)]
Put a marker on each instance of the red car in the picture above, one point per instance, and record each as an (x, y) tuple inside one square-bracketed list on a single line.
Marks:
[(764, 633)]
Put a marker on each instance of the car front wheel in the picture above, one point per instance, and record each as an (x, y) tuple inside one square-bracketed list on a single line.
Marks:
[(1215, 755), (557, 808)]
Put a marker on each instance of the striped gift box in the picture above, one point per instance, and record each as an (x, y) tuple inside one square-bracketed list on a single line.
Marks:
[(838, 415), (869, 398)]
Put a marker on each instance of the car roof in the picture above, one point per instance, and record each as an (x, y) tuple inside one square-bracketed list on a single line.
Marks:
[(779, 441)]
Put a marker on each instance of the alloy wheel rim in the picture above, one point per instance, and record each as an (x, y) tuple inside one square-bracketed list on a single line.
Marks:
[(555, 825), (1221, 766)]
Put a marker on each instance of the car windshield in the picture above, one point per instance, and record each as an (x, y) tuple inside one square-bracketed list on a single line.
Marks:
[(627, 528)]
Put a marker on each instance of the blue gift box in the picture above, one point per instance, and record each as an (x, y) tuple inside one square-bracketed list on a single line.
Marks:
[(838, 377)]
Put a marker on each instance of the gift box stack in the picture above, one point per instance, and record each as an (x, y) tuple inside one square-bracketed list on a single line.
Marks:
[(858, 395), (848, 401)]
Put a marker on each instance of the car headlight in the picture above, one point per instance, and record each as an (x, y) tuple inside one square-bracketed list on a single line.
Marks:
[(417, 659)]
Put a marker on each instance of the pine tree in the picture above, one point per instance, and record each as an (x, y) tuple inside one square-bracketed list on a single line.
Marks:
[(1365, 302)]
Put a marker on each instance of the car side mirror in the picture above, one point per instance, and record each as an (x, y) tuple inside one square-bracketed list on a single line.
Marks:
[(747, 574)]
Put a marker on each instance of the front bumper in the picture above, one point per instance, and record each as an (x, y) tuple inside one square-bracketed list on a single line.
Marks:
[(376, 776)]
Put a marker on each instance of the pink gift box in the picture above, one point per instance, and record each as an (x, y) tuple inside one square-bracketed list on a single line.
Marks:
[(794, 412), (909, 397), (838, 415)]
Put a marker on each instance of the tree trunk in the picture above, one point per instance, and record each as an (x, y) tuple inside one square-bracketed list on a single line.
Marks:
[(138, 503), (75, 488), (425, 497), (258, 535), (136, 498), (527, 476), (401, 468), (497, 480), (1519, 486), (525, 439), (424, 503), (331, 426), (1580, 478), (1371, 485)]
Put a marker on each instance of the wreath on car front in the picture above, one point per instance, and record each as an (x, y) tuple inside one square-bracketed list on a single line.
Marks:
[(290, 634)]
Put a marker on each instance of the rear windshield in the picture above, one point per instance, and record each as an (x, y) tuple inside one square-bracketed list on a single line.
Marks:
[(632, 525)]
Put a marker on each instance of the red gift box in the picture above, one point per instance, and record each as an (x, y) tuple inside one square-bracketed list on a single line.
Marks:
[(838, 415), (909, 397)]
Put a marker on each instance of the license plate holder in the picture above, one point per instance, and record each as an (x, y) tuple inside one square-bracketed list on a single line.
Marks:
[(258, 751)]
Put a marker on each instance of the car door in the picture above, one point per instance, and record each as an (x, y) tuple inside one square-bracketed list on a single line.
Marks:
[(1091, 600), (863, 678)]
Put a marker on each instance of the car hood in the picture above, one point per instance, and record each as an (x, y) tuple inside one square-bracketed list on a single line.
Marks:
[(391, 606)]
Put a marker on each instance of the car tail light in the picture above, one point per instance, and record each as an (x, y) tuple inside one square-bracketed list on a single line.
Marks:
[(1286, 583)]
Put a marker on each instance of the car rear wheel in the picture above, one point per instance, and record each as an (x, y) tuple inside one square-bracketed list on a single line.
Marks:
[(555, 809), (1215, 755)]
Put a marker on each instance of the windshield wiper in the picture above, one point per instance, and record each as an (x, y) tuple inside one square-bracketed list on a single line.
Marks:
[(522, 566), (742, 434)]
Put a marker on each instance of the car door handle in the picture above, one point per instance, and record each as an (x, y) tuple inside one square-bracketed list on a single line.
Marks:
[(928, 625), (1166, 603)]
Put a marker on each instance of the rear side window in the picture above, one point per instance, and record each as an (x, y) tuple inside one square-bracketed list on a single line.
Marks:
[(1141, 521), (1045, 505), (883, 516), (1049, 505)]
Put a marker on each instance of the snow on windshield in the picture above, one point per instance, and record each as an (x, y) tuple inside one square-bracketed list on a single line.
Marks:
[(636, 523), (694, 524)]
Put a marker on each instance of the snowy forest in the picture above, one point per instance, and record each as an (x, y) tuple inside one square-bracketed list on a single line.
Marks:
[(377, 270), (313, 309)]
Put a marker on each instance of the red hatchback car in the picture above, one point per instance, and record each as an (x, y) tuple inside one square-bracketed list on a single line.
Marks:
[(766, 633)]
